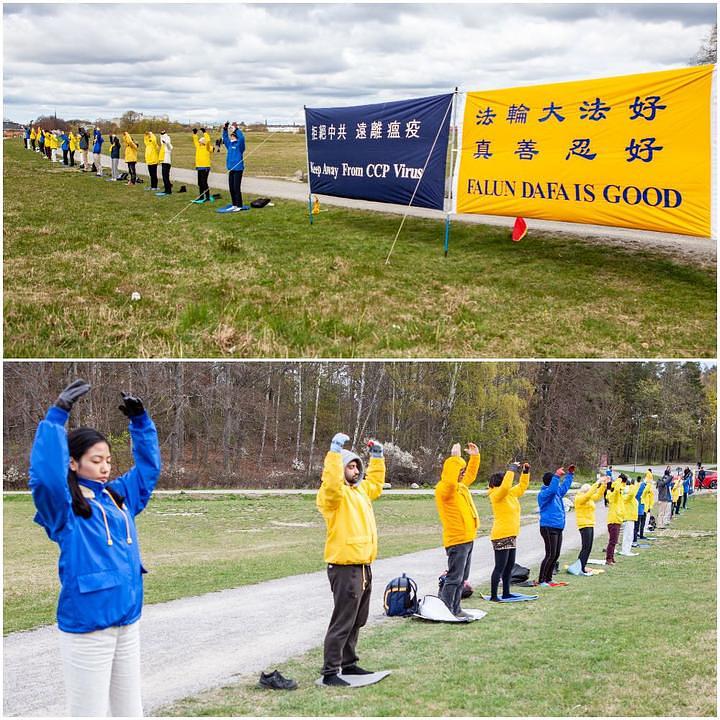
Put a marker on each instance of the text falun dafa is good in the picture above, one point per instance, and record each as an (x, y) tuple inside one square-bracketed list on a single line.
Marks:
[(631, 151)]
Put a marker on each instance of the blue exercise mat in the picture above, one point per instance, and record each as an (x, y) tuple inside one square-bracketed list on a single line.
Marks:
[(225, 209), (516, 597)]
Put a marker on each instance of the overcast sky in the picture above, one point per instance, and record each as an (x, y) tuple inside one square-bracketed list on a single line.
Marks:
[(253, 62)]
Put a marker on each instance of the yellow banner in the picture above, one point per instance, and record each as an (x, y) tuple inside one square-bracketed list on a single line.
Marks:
[(631, 151)]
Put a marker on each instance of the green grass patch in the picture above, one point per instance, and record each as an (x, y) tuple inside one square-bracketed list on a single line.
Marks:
[(266, 284), (197, 544), (639, 640)]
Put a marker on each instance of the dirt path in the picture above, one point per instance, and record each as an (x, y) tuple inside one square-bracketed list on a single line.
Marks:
[(699, 251), (197, 643)]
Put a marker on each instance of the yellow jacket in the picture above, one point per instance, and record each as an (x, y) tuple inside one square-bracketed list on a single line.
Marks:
[(677, 489), (585, 505), (630, 501), (505, 504), (152, 149), (73, 142), (33, 134), (131, 148), (454, 502), (616, 505), (648, 496), (648, 476), (203, 151), (348, 512)]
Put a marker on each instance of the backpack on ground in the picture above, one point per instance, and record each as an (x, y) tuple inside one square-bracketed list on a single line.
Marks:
[(519, 574), (467, 589), (400, 599), (651, 523), (259, 202)]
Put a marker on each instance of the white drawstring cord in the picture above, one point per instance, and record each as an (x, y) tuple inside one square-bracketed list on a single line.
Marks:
[(127, 523)]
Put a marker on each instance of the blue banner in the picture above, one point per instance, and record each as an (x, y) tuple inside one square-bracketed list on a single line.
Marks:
[(381, 152)]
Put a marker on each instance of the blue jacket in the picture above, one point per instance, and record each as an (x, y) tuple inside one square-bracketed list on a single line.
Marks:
[(65, 142), (97, 147), (687, 484), (638, 496), (100, 570), (235, 150), (552, 510)]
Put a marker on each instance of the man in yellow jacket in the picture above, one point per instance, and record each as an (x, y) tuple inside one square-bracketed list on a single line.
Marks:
[(131, 151), (152, 157), (460, 521), (630, 515), (203, 162), (345, 501)]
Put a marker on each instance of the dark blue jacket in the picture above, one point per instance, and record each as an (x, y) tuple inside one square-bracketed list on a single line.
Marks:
[(97, 147), (100, 570), (552, 510), (235, 150), (65, 142)]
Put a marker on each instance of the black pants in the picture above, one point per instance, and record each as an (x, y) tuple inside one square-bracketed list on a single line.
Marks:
[(32, 142), (640, 528), (72, 158), (351, 586), (677, 505), (234, 181), (203, 174), (684, 500), (586, 535), (459, 559), (131, 170), (504, 562), (65, 157), (167, 185), (152, 170), (553, 543)]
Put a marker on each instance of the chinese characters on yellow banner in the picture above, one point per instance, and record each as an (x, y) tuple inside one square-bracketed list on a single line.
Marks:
[(631, 151)]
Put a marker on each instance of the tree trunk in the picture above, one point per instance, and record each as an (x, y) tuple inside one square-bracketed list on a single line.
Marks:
[(265, 415), (314, 423), (359, 405)]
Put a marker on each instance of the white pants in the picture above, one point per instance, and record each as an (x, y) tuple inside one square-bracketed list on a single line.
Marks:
[(53, 155), (115, 163), (627, 538), (98, 163), (102, 672)]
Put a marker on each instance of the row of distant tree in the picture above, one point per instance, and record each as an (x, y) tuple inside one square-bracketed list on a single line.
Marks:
[(269, 424)]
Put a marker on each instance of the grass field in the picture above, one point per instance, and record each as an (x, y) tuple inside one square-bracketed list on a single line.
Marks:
[(266, 284), (192, 545), (639, 640)]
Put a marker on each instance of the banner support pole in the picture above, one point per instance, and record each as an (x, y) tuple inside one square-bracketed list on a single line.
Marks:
[(307, 162), (454, 154), (447, 233)]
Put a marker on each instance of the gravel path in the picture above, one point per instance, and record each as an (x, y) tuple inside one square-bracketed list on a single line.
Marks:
[(197, 643), (700, 251)]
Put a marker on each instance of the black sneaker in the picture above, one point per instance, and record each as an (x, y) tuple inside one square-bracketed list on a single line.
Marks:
[(355, 670), (275, 681), (335, 680)]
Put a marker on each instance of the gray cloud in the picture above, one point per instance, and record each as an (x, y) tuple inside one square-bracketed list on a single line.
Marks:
[(205, 62)]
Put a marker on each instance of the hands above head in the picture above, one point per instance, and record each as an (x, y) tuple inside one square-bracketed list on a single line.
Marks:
[(227, 124), (71, 394), (513, 466), (132, 406), (339, 439), (455, 450), (472, 449), (560, 471), (571, 469), (526, 468)]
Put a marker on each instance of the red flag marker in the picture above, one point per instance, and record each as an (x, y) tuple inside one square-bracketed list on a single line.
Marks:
[(519, 230)]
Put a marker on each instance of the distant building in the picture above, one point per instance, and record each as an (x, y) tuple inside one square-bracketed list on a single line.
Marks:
[(285, 128)]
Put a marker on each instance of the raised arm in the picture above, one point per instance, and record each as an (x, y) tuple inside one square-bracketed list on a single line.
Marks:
[(333, 476), (567, 481), (374, 480), (598, 491), (137, 485), (520, 489), (50, 462), (473, 465)]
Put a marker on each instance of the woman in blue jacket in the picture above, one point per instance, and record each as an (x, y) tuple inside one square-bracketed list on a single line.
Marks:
[(552, 520), (235, 144), (92, 519)]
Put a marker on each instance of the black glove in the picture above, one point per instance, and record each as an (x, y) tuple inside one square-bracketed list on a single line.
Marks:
[(194, 131), (73, 392), (132, 406), (227, 125), (526, 468), (571, 468)]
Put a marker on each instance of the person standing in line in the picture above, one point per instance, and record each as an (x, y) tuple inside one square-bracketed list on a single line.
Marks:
[(84, 149), (65, 147), (641, 485), (615, 517), (345, 501), (26, 136), (585, 501), (664, 499), (687, 486), (648, 501), (152, 154), (33, 137), (203, 162), (41, 142), (72, 147), (459, 519), (131, 151), (676, 494), (92, 519), (165, 159), (114, 158), (97, 150), (235, 144), (630, 513), (54, 146), (505, 503), (552, 520)]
